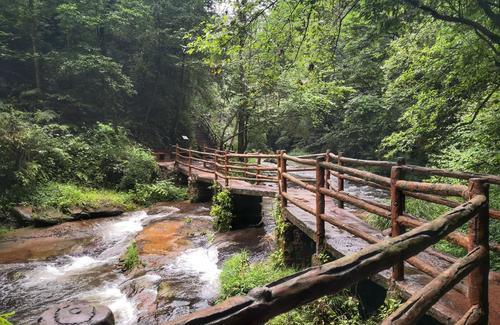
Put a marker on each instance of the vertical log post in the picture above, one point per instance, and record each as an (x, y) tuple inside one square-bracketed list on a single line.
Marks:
[(245, 164), (216, 161), (190, 160), (283, 180), (204, 156), (257, 172), (320, 206), (397, 209), (278, 171), (340, 180), (226, 169), (327, 171), (176, 155), (479, 236)]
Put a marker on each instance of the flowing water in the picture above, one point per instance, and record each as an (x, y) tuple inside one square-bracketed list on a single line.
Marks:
[(40, 267)]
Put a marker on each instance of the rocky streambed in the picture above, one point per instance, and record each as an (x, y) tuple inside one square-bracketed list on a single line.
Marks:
[(80, 260)]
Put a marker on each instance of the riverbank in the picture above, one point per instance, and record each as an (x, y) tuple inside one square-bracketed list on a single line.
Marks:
[(57, 202)]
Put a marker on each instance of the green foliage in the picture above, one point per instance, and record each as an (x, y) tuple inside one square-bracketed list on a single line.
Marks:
[(341, 308), (102, 61), (221, 210), (4, 318), (68, 196), (160, 191), (279, 221), (239, 276), (139, 168), (4, 230), (131, 259), (37, 151)]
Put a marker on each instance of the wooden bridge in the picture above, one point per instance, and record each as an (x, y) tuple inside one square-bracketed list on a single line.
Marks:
[(313, 198)]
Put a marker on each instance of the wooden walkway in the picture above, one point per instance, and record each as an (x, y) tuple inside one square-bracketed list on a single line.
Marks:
[(340, 243), (448, 310)]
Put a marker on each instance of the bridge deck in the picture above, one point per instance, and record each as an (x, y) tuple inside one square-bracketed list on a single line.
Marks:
[(341, 243)]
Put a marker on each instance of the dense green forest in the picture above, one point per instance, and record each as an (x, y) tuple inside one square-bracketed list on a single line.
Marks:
[(90, 88), (82, 82)]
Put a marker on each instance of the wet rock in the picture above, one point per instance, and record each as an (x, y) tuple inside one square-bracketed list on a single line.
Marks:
[(165, 291), (51, 216), (75, 313), (81, 214), (157, 209), (23, 215)]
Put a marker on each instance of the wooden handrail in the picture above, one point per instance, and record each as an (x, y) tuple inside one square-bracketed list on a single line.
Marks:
[(309, 162), (263, 303), (418, 304), (224, 167)]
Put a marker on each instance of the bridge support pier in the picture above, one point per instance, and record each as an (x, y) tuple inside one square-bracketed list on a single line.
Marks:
[(199, 191), (247, 209), (298, 248)]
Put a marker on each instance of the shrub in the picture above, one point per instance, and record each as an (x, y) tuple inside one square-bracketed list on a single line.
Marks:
[(139, 168), (221, 210), (131, 258), (36, 151), (159, 191), (28, 149)]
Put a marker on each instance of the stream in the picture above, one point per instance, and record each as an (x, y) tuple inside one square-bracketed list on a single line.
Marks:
[(41, 267)]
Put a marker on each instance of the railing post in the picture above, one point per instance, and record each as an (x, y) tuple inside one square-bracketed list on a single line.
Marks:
[(479, 236), (283, 180), (397, 209), (190, 154), (320, 206), (216, 161), (340, 180), (176, 162), (226, 169), (204, 156), (327, 172), (257, 171)]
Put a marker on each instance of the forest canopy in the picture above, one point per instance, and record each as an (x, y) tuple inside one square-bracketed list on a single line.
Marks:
[(374, 79)]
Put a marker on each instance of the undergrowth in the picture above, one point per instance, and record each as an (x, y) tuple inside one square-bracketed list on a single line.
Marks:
[(67, 196), (146, 194), (239, 276)]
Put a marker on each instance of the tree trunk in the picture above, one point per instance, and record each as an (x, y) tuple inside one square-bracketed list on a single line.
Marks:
[(34, 42), (242, 114)]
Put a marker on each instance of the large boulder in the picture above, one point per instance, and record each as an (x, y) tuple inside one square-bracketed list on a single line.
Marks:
[(42, 217), (23, 214), (77, 313), (90, 213)]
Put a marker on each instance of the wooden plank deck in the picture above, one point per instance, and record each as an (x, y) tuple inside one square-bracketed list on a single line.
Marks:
[(341, 243)]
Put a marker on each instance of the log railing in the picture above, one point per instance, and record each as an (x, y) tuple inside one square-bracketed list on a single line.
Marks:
[(263, 303)]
